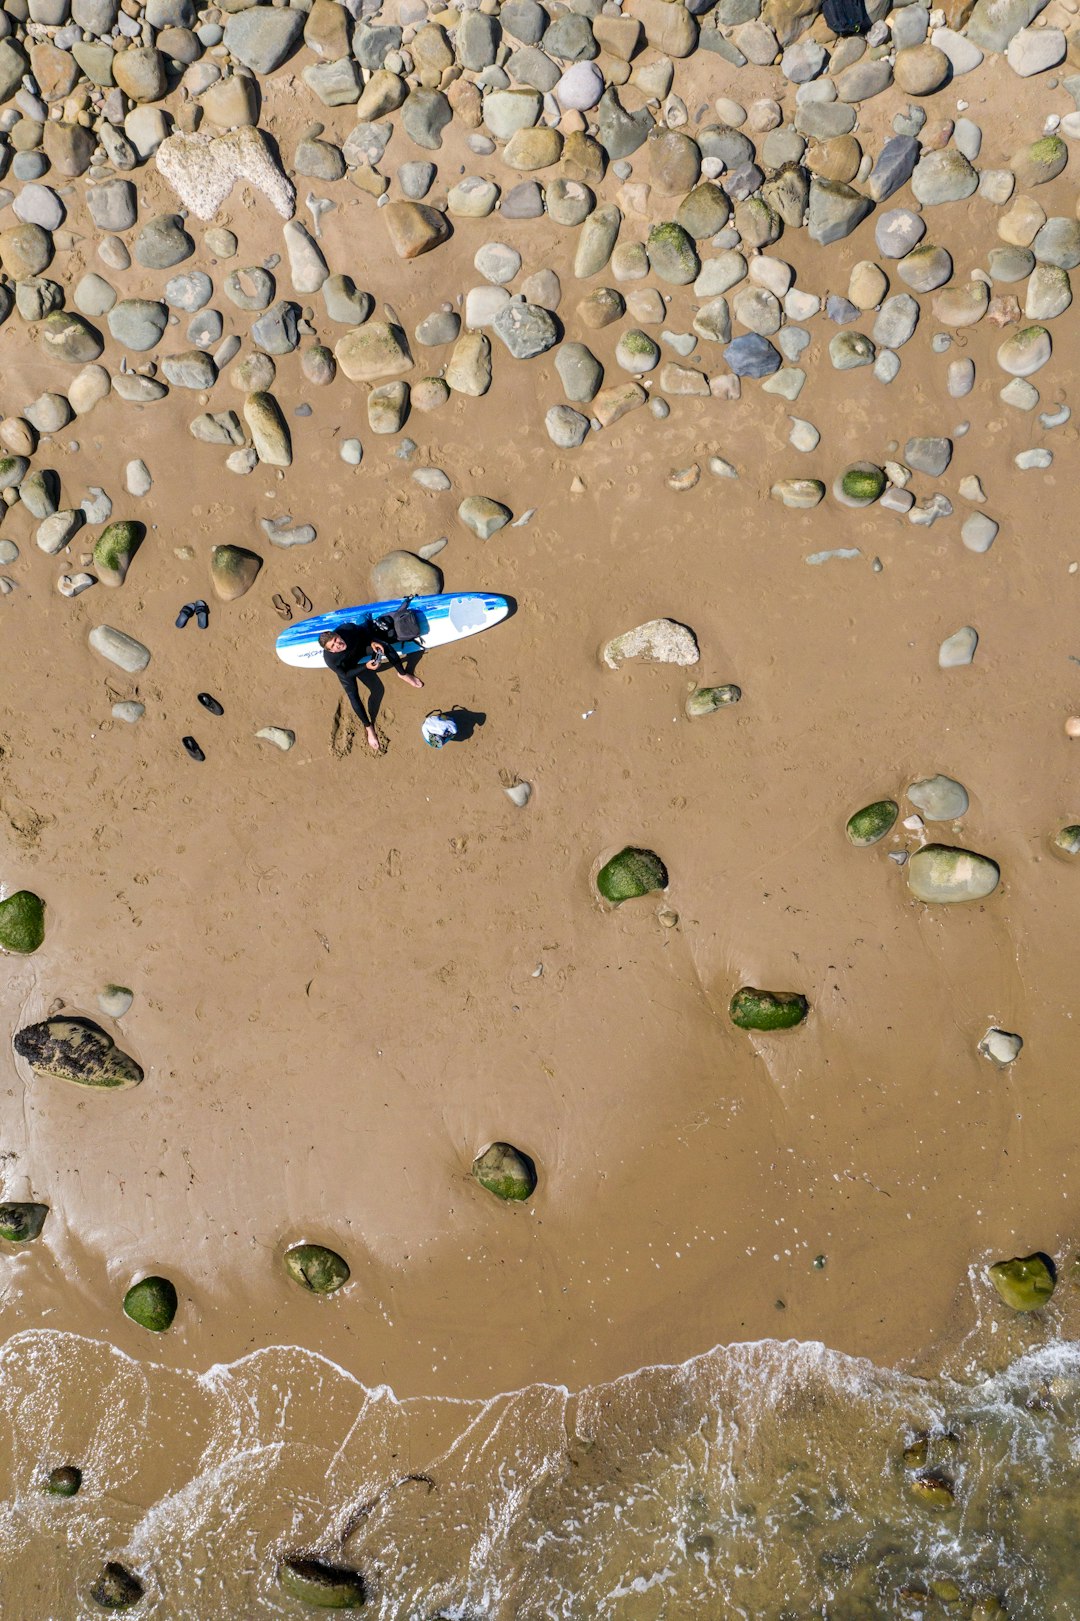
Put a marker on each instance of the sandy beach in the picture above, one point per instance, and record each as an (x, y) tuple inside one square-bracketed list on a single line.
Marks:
[(351, 974)]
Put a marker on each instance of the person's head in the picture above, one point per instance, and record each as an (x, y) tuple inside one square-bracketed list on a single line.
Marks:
[(331, 641)]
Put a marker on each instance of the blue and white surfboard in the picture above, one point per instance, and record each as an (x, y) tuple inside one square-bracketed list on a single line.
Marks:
[(443, 619)]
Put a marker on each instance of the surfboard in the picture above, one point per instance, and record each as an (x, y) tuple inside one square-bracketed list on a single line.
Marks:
[(444, 619)]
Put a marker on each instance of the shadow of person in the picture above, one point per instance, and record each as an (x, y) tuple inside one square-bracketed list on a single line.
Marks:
[(466, 721)]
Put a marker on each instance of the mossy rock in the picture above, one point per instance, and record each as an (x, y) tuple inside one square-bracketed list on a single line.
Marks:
[(1024, 1283), (988, 1608), (13, 469), (707, 700), (917, 1453), (767, 1010), (63, 1482), (117, 1588), (629, 874), (316, 1268), (19, 1223), (77, 1050), (863, 483), (506, 1172), (872, 823), (1069, 840), (324, 1587), (22, 922), (114, 549), (233, 570), (151, 1303), (932, 1490)]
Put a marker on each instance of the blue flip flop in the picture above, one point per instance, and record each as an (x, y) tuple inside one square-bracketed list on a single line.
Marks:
[(202, 615), (184, 615)]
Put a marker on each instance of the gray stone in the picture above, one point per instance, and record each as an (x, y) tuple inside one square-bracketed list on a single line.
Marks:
[(94, 296), (526, 330), (416, 178), (277, 332), (119, 648), (958, 649), (929, 455), (138, 323), (192, 369), (319, 160), (477, 40), (424, 116), (1011, 264), (596, 240), (825, 120), (978, 532), (897, 231), (993, 23), (525, 20), (189, 292), (442, 326), (925, 267), (864, 79), (507, 111), (250, 288), (525, 201), (497, 262), (263, 36), (69, 338), (939, 799), (896, 321), (344, 303), (570, 39), (835, 210), (945, 176), (894, 166), (672, 254), (1057, 243), (566, 427), (619, 132), (1049, 293), (580, 373), (39, 205), (163, 242), (849, 350), (752, 356)]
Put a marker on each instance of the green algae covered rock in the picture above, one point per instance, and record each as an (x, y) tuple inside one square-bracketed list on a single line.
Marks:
[(1024, 1283), (944, 875), (316, 1268), (1069, 840), (63, 1482), (324, 1587), (114, 549), (932, 1490), (767, 1010), (77, 1050), (22, 922), (233, 570), (151, 1303), (672, 255), (116, 1588), (707, 700), (629, 874), (506, 1172), (872, 823), (19, 1223), (860, 485)]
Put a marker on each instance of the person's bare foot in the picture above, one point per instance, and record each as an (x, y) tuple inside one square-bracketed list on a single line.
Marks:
[(373, 740), (412, 680)]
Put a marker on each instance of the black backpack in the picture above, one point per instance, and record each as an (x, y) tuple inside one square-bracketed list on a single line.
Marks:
[(403, 625), (846, 17)]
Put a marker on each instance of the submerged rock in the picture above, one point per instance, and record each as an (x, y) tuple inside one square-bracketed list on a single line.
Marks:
[(151, 1303), (75, 1049), (752, 1009), (64, 1481), (316, 1268), (933, 1490), (940, 873), (22, 922), (658, 641), (872, 823), (324, 1587), (116, 1588), (629, 874), (1024, 1283), (19, 1223), (506, 1172)]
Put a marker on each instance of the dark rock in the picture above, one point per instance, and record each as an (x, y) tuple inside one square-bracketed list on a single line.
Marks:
[(629, 874), (19, 1223), (75, 1049), (506, 1172), (316, 1268), (151, 1303), (767, 1010)]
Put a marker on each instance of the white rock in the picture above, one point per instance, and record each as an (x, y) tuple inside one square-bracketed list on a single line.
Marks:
[(69, 585), (115, 1000), (352, 452), (519, 794), (307, 267), (1029, 459), (978, 532), (800, 306), (962, 53), (580, 87), (804, 436), (202, 170), (130, 711), (959, 648), (772, 273), (137, 478), (279, 736), (1000, 1046), (659, 641), (119, 648), (1033, 50), (483, 304)]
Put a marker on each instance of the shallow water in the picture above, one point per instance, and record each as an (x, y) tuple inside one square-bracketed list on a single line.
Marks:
[(763, 1480)]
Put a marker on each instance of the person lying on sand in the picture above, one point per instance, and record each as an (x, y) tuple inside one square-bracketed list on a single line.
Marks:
[(352, 649)]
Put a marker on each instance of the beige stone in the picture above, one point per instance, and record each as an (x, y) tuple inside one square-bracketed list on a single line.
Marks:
[(415, 228)]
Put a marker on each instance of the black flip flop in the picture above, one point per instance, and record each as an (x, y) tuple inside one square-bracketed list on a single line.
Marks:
[(184, 615), (202, 615), (210, 703), (193, 748)]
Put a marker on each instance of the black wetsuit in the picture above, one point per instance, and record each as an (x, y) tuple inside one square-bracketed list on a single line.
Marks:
[(351, 665)]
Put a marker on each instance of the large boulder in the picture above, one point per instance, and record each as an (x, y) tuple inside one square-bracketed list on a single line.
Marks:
[(752, 1009), (22, 922), (151, 1302), (19, 1223), (939, 873), (658, 641), (75, 1049), (630, 874), (269, 432), (232, 571), (1024, 1283), (316, 1268), (506, 1172), (402, 574)]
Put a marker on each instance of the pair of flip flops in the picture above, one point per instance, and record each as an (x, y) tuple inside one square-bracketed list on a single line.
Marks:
[(200, 612), (208, 702), (300, 597)]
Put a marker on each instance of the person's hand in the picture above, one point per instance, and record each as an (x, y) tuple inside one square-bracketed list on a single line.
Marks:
[(379, 651)]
